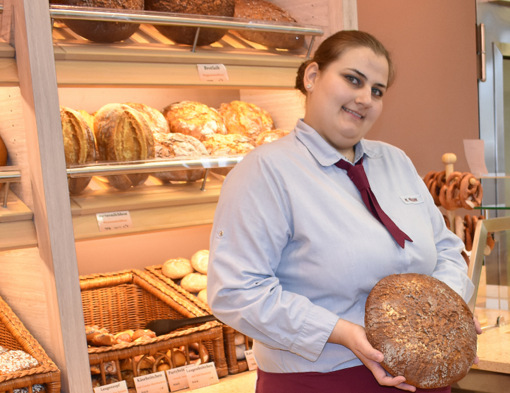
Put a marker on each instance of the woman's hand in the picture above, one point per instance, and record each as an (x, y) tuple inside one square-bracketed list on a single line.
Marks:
[(354, 337)]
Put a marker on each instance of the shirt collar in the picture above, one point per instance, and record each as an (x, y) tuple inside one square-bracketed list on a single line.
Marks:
[(323, 152)]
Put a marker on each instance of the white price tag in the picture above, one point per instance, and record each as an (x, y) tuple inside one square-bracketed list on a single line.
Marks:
[(151, 383), (117, 387), (177, 378), (113, 220), (250, 359), (212, 72), (201, 375)]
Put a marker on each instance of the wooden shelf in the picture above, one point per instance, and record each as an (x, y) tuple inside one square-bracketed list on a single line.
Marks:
[(152, 207), (17, 228)]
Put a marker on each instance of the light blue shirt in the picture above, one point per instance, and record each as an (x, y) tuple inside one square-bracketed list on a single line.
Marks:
[(293, 247)]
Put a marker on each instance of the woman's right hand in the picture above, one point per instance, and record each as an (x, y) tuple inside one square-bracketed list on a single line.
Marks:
[(354, 337)]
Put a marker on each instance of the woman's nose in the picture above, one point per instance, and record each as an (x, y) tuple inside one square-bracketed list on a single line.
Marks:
[(364, 97)]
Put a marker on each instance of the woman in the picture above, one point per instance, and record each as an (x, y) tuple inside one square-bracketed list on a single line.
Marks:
[(295, 251)]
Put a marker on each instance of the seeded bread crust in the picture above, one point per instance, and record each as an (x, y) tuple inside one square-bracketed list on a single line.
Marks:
[(424, 329)]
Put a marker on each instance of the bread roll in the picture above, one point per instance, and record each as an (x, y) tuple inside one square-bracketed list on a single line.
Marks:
[(202, 296), (177, 268), (264, 10), (200, 260), (123, 135), (195, 119), (194, 282), (270, 136), (186, 35), (79, 145), (155, 118), (246, 119), (179, 146), (98, 31), (424, 329)]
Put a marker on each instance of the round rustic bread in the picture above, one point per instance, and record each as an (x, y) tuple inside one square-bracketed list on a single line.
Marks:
[(99, 31), (245, 118), (186, 35), (195, 119), (424, 329), (79, 145), (267, 11), (179, 146)]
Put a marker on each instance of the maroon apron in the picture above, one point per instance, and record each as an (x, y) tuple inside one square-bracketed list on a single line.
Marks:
[(350, 380)]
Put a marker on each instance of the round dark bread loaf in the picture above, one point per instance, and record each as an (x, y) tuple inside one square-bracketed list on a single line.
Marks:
[(186, 35), (264, 10), (424, 329), (98, 31)]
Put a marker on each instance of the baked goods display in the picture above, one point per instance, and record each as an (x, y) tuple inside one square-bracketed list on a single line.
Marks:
[(155, 118), (177, 145), (457, 190), (123, 134), (186, 35), (99, 31), (189, 274), (15, 360), (194, 118), (102, 337), (227, 145), (267, 11), (424, 329), (245, 118), (79, 145), (270, 136)]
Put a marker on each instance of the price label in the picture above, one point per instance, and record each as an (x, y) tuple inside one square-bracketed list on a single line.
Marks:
[(151, 383), (201, 375), (117, 387), (177, 378), (113, 221), (250, 359), (212, 72)]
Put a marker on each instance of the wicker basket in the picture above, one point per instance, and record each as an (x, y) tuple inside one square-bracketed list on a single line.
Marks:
[(14, 336), (235, 366), (128, 300)]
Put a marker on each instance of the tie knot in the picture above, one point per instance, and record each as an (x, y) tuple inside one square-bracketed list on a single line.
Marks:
[(356, 173)]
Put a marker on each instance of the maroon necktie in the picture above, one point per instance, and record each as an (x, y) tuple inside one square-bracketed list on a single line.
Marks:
[(358, 176)]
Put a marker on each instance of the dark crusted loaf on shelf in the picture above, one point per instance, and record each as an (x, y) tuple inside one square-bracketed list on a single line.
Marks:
[(98, 31), (264, 10), (186, 35)]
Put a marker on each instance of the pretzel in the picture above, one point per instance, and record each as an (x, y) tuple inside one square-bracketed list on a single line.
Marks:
[(452, 185), (471, 191)]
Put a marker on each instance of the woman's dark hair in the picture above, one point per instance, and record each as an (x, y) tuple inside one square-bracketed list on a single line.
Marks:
[(335, 45)]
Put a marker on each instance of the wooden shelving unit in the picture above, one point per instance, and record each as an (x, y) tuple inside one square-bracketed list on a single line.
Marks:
[(39, 278)]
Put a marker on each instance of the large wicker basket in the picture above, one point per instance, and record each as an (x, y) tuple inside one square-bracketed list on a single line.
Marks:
[(128, 300), (235, 365), (14, 336)]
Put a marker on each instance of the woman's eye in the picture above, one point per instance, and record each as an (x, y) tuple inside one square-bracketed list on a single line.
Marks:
[(353, 79), (377, 92)]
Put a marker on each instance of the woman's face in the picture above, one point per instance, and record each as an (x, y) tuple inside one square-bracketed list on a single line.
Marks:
[(345, 99)]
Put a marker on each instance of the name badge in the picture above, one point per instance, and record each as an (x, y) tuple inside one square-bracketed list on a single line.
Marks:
[(412, 199)]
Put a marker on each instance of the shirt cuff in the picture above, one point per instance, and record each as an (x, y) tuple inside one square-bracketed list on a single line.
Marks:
[(317, 329)]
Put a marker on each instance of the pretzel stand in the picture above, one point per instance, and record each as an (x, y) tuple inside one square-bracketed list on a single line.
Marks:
[(453, 190)]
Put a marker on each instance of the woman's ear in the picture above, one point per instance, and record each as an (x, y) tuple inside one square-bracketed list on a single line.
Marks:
[(311, 72)]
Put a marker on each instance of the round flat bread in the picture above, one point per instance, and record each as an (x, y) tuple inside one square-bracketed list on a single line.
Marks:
[(424, 329)]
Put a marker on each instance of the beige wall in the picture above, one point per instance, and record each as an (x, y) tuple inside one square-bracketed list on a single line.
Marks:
[(433, 105)]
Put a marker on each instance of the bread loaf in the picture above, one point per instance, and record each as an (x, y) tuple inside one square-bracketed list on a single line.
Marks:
[(179, 146), (194, 282), (186, 35), (99, 31), (424, 329), (227, 145), (264, 10), (270, 136), (245, 118), (155, 118), (79, 145), (123, 135), (176, 268), (200, 261), (195, 119)]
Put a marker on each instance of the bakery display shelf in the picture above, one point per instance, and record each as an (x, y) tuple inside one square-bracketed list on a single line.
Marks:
[(148, 58), (151, 207)]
